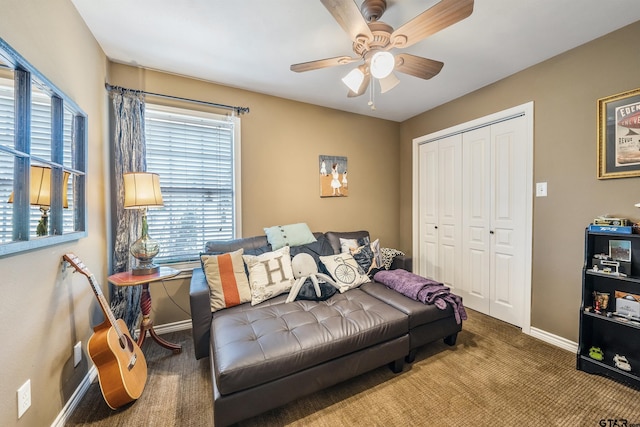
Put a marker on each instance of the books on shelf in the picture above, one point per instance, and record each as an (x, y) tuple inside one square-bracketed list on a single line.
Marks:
[(616, 229)]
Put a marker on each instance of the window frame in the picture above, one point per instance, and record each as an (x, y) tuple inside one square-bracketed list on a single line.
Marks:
[(25, 77), (236, 178)]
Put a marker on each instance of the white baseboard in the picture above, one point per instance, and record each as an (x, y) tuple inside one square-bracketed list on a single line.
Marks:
[(554, 340), (76, 397), (82, 389), (182, 325)]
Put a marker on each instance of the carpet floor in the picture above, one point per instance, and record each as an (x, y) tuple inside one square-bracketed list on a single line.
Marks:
[(494, 376)]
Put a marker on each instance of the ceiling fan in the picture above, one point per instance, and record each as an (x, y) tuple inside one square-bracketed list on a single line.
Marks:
[(373, 39)]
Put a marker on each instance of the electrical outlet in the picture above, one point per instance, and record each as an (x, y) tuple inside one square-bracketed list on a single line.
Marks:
[(24, 398), (77, 354), (541, 189)]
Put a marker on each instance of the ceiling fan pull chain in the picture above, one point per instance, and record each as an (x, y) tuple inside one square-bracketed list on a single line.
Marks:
[(371, 94)]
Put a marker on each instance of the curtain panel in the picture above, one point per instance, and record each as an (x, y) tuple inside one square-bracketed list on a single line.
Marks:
[(128, 155)]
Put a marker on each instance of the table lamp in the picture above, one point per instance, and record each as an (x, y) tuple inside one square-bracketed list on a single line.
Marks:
[(40, 194), (141, 191)]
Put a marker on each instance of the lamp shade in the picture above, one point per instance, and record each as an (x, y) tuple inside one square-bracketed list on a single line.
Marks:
[(141, 189), (40, 187)]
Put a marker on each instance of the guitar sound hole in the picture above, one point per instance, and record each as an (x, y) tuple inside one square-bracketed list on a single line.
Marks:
[(125, 342)]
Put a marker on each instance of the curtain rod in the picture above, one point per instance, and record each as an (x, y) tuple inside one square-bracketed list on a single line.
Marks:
[(238, 110)]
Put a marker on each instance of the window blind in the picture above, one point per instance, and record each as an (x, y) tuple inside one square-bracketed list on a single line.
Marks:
[(194, 155), (6, 160)]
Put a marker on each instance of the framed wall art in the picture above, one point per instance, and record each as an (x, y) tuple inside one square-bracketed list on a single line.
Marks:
[(333, 176), (619, 135)]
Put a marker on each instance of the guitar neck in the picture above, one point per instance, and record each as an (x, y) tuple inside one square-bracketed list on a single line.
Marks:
[(81, 268), (106, 309)]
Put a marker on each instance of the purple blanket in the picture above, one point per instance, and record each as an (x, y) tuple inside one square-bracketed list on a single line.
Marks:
[(422, 289)]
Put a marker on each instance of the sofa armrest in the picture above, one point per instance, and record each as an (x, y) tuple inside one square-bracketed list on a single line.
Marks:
[(200, 313), (403, 262)]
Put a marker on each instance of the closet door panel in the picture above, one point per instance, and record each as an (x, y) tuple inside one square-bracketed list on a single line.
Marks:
[(501, 294), (428, 211), (476, 218), (507, 222), (449, 212)]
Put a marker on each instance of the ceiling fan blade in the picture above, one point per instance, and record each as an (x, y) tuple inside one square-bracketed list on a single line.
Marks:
[(417, 66), (388, 83), (322, 63), (432, 20), (348, 15), (363, 87)]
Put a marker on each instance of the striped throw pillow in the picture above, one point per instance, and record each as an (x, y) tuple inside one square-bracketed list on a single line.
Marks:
[(227, 279)]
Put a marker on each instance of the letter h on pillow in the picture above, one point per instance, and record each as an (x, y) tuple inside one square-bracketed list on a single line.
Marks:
[(270, 274)]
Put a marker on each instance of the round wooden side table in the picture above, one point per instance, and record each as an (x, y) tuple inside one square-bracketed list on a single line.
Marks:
[(126, 278)]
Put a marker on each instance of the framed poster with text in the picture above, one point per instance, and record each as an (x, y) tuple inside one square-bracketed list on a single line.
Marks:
[(619, 135)]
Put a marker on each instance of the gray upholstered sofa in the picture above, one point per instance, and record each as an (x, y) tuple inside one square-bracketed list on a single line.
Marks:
[(267, 355)]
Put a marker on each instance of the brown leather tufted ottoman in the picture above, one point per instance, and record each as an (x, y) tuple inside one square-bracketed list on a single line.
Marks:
[(260, 352), (427, 323)]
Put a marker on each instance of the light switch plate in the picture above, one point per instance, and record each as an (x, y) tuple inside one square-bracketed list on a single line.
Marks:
[(24, 398), (541, 189)]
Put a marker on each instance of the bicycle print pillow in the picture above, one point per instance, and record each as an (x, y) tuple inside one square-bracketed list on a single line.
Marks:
[(345, 271)]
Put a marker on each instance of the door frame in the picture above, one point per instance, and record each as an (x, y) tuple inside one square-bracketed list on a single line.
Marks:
[(525, 110)]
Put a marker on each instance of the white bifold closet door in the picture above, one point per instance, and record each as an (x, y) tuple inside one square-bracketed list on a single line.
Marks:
[(472, 210)]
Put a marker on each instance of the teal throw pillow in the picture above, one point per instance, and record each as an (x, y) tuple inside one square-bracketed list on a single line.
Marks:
[(280, 236)]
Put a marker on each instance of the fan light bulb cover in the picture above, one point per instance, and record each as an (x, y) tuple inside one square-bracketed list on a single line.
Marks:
[(354, 79), (382, 64), (388, 83)]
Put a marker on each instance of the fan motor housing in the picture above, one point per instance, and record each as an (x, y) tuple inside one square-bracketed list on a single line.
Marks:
[(381, 38), (372, 10)]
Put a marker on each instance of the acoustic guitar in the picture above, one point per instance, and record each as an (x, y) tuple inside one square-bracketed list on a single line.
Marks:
[(122, 369)]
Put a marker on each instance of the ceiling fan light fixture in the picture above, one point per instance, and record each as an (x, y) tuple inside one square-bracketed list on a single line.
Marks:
[(382, 64), (354, 79)]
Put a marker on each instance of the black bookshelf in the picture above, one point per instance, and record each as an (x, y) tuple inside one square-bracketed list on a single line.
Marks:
[(611, 333)]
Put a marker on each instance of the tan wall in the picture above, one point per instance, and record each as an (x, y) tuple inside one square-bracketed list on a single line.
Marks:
[(43, 312), (565, 90)]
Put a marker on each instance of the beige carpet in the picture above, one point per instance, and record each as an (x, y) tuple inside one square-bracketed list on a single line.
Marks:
[(494, 376)]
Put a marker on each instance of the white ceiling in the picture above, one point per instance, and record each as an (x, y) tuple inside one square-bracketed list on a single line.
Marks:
[(250, 44)]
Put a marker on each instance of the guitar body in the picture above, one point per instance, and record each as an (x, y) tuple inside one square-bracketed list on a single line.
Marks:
[(122, 369)]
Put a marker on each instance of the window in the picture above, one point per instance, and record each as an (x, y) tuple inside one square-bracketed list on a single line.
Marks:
[(42, 159), (197, 157)]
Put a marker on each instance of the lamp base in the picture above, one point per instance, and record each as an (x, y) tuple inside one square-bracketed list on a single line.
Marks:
[(43, 225), (144, 270)]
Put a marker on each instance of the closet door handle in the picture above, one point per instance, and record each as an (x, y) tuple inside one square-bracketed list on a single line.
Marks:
[(490, 231), (435, 226)]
